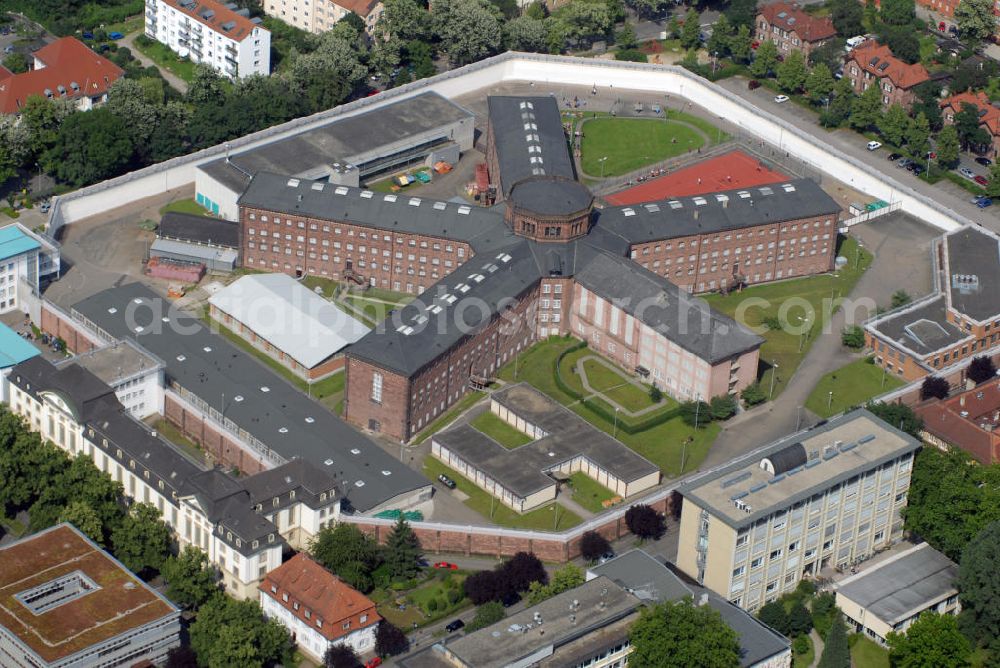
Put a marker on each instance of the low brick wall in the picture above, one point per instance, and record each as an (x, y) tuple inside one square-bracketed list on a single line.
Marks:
[(498, 542), (56, 323)]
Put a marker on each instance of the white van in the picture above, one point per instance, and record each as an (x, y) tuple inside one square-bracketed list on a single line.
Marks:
[(874, 145), (853, 43)]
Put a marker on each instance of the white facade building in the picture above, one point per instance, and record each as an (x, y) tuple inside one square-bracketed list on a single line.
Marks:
[(25, 256), (241, 524), (318, 16), (211, 33)]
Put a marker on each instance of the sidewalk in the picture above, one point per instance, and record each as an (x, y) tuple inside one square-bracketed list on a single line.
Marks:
[(169, 76)]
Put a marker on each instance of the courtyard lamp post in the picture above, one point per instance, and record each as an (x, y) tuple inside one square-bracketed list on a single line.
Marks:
[(614, 433), (829, 399), (602, 161), (774, 372), (555, 516)]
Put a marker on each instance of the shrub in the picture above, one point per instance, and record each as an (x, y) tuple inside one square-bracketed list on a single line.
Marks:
[(981, 369), (696, 413), (853, 337), (593, 545), (644, 521), (655, 394), (900, 298), (773, 614), (934, 387), (753, 395), (801, 645), (772, 323), (454, 596), (432, 605), (723, 407)]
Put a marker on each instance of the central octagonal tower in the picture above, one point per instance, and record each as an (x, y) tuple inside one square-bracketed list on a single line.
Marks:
[(549, 208)]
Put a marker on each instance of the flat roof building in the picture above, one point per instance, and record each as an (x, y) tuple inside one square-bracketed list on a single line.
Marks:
[(587, 625), (184, 237), (652, 581), (24, 257), (66, 602), (276, 314), (889, 596), (817, 499), (14, 349), (345, 150), (134, 374), (274, 420), (562, 443), (959, 321)]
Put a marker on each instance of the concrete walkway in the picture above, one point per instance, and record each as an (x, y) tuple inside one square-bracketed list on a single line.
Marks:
[(817, 648), (170, 77)]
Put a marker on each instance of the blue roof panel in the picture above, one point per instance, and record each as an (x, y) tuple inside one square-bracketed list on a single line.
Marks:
[(14, 348), (14, 242)]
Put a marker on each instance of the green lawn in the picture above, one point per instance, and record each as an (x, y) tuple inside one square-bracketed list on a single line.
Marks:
[(415, 601), (616, 386), (805, 659), (168, 431), (666, 445), (852, 385), (501, 432), (327, 286), (588, 492), (463, 405), (786, 349), (631, 143), (375, 311), (167, 59), (866, 653), (129, 25), (186, 206), (540, 519), (628, 396)]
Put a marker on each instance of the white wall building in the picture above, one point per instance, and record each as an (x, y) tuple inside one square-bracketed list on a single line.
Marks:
[(241, 524), (318, 608), (318, 16), (26, 256), (211, 33)]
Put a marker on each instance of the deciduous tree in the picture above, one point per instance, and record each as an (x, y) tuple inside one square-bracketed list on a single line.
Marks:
[(84, 518), (836, 650), (765, 59), (918, 134), (993, 187), (564, 579), (527, 34), (679, 634), (346, 551), (893, 124), (142, 542), (819, 84), (469, 30), (773, 614), (228, 633), (691, 30), (90, 147), (191, 580), (792, 72), (979, 585), (975, 19), (981, 369), (933, 641), (486, 614), (934, 387), (644, 522), (899, 416), (847, 17), (390, 640), (867, 109), (948, 147), (740, 44), (593, 545)]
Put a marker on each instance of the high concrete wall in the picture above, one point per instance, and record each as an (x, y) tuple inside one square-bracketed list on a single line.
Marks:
[(542, 69)]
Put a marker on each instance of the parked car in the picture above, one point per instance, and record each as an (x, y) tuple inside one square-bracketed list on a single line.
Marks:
[(446, 481), (893, 157), (753, 84), (446, 565), (45, 206), (780, 98), (455, 625), (905, 162), (606, 557), (115, 35), (984, 202), (88, 35), (914, 167), (942, 26), (373, 662), (985, 162), (966, 172), (981, 180), (953, 30), (9, 49), (874, 145)]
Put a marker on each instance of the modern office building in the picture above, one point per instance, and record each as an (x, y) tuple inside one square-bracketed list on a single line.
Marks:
[(961, 320), (318, 608), (66, 69), (891, 595), (211, 33), (14, 349), (25, 257), (819, 499), (66, 603)]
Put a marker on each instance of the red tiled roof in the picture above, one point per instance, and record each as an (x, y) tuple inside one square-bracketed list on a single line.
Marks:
[(973, 432), (67, 61), (360, 7), (878, 60), (216, 15), (319, 598), (991, 119), (789, 17)]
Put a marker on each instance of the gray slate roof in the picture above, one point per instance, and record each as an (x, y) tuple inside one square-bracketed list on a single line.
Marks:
[(728, 210), (199, 229), (342, 140), (217, 371), (922, 327), (651, 580), (655, 301), (391, 212), (550, 195), (517, 121), (973, 282), (897, 588)]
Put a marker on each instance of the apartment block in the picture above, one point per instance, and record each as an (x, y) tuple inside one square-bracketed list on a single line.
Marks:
[(792, 29), (815, 501), (318, 16), (211, 33)]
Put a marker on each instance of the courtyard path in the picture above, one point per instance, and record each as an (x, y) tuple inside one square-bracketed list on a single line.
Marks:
[(170, 77)]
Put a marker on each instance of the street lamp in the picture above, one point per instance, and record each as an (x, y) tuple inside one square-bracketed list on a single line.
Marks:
[(804, 333), (829, 399), (555, 516), (774, 372), (614, 434), (602, 161), (798, 418)]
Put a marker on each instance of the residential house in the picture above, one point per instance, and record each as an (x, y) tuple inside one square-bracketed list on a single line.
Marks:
[(791, 29), (871, 63), (989, 116)]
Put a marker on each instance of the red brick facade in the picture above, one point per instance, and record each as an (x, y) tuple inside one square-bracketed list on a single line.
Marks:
[(989, 116), (791, 29), (391, 261), (389, 403), (873, 64), (721, 260), (224, 451)]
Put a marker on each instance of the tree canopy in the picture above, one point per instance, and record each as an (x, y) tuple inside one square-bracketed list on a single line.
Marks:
[(191, 580), (227, 633), (347, 552), (979, 586), (644, 521), (402, 551), (680, 634), (933, 641)]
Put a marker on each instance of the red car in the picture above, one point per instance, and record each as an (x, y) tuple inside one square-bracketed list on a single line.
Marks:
[(446, 566), (981, 180), (941, 26), (373, 662)]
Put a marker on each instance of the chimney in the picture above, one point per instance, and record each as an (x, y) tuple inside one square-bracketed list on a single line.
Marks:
[(725, 204), (696, 214)]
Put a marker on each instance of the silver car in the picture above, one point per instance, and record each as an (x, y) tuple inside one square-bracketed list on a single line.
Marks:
[(966, 172)]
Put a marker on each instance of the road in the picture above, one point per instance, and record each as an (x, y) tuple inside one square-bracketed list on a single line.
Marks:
[(944, 192), (170, 77)]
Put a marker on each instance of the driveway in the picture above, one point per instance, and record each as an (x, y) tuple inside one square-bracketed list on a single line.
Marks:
[(944, 192), (170, 77)]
